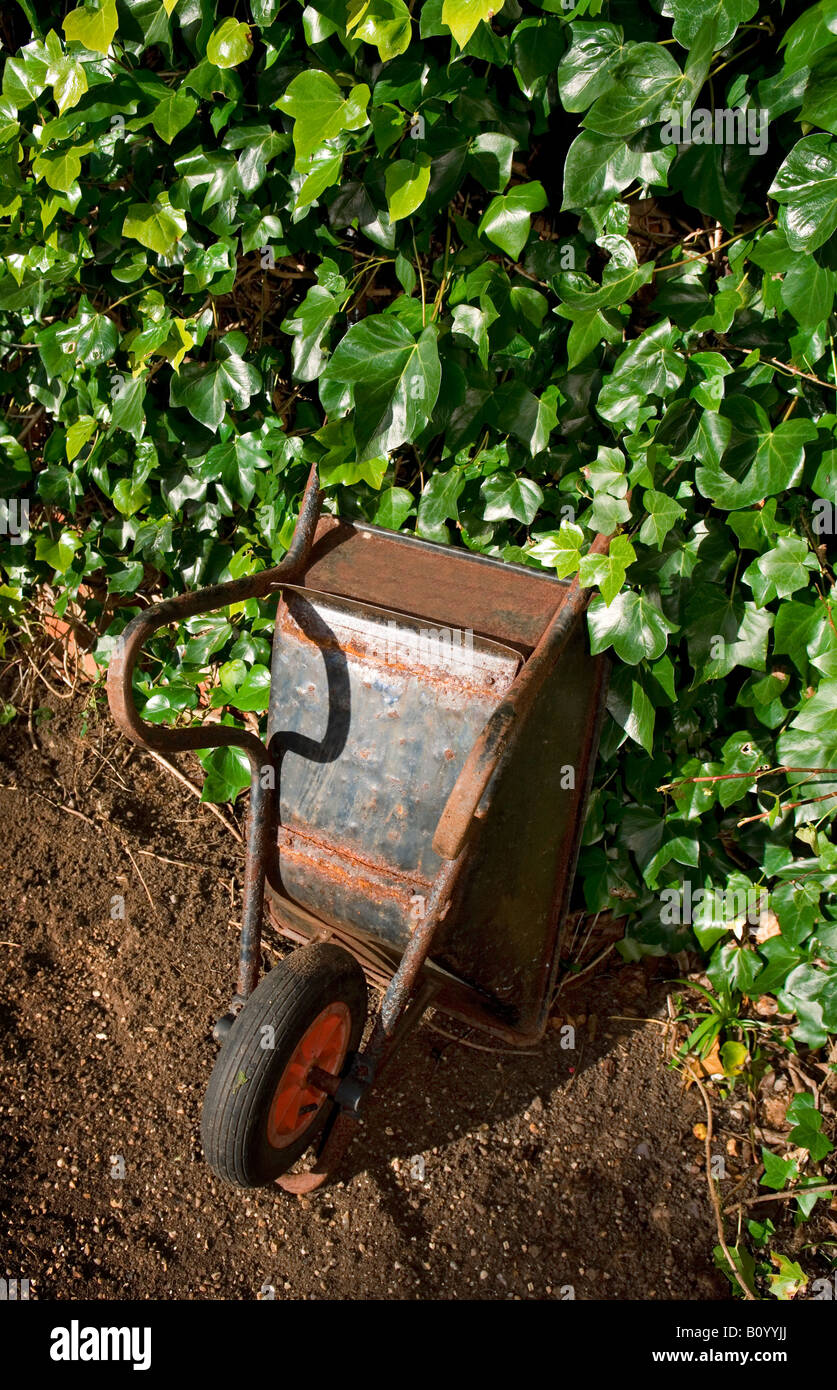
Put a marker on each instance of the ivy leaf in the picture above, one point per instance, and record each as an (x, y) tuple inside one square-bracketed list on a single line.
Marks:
[(339, 464), (724, 632), (789, 1278), (808, 292), (536, 46), (797, 906), (94, 29), (711, 178), (157, 226), (463, 16), (587, 68), (807, 1126), (630, 707), (598, 167), (230, 44), (776, 455), (779, 572), (621, 278), (529, 418), (172, 114), (395, 379), (385, 23), (129, 497), (259, 145), (58, 553), (714, 368), (227, 773), (507, 497), (65, 75), (608, 513), (439, 503), (811, 739), (252, 693), (59, 170), (395, 505), (320, 111), (309, 327), (586, 332), (560, 550), (607, 571), (216, 174), (77, 436), (663, 512), (649, 84), (407, 182), (129, 408), (777, 1171), (690, 15), (490, 159), (96, 337), (472, 323), (507, 218), (263, 11), (741, 753), (632, 624), (204, 389), (819, 107), (806, 188), (324, 169), (25, 75)]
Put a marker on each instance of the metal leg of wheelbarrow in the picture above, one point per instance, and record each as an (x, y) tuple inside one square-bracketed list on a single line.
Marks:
[(401, 1010), (261, 834)]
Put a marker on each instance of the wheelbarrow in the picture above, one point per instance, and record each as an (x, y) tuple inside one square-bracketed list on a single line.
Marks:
[(415, 816)]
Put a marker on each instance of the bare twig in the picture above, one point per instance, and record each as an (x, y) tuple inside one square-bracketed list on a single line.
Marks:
[(570, 979), (787, 806), (196, 791), (478, 1047), (181, 863), (141, 879), (788, 1196), (713, 1194)]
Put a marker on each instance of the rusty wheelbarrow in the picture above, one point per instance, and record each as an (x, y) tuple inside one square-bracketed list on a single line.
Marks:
[(415, 816)]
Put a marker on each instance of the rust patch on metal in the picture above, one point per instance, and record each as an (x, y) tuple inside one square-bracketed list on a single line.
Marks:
[(374, 648), (351, 867)]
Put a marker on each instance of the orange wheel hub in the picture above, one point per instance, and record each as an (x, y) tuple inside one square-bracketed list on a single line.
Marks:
[(295, 1101)]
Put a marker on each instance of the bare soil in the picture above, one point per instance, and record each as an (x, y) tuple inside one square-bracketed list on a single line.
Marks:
[(478, 1173)]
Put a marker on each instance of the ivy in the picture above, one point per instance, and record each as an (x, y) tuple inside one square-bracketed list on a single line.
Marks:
[(517, 279)]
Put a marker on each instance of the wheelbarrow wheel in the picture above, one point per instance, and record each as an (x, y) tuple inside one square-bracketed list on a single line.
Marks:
[(261, 1112)]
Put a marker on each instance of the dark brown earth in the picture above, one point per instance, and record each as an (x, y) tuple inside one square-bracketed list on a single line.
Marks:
[(546, 1175)]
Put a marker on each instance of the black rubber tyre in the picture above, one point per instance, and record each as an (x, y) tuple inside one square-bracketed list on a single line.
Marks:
[(248, 1077)]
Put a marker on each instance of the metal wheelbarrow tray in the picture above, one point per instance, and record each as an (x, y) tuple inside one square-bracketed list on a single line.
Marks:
[(415, 817)]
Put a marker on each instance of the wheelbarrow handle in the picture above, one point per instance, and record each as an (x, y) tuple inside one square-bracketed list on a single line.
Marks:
[(174, 610), (501, 727)]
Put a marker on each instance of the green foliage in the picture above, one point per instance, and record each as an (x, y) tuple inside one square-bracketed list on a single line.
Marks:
[(463, 259)]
